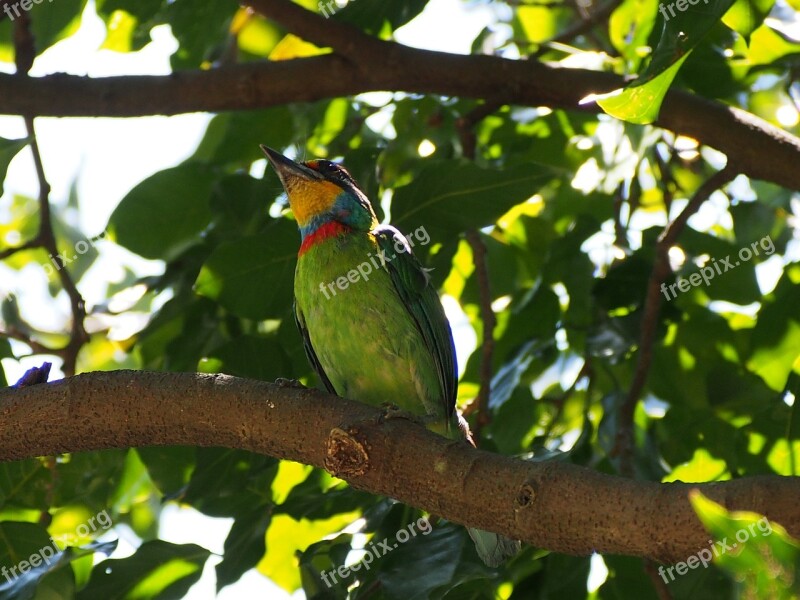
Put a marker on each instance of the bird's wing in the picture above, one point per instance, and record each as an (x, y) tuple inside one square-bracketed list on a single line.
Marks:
[(413, 285), (299, 319)]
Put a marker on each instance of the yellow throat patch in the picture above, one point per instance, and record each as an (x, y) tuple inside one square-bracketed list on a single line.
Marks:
[(307, 199)]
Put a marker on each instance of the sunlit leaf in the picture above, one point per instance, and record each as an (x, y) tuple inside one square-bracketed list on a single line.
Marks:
[(8, 150), (758, 552), (165, 213), (157, 568)]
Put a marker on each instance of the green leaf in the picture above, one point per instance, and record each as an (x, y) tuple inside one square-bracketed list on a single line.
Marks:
[(745, 16), (229, 483), (83, 478), (8, 150), (627, 580), (157, 570), (54, 21), (169, 467), (757, 552), (320, 558), (32, 562), (775, 343), (128, 23), (371, 16), (165, 213), (450, 197), (446, 555), (630, 25), (640, 101), (245, 545), (30, 495), (254, 357), (253, 276), (768, 45), (775, 362), (202, 31), (234, 137)]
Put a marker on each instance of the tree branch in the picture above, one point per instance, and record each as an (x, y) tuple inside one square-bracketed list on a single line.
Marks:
[(24, 53), (554, 505), (652, 306), (762, 150), (489, 321)]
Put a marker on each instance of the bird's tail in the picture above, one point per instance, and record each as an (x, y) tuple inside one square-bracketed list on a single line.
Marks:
[(493, 548)]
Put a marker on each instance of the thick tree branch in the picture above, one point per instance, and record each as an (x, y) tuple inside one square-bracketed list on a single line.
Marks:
[(763, 151), (553, 505)]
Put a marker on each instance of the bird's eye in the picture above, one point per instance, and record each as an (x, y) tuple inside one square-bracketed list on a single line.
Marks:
[(332, 172)]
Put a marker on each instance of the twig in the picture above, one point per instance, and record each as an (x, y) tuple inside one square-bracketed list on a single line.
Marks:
[(466, 125), (489, 323), (78, 335), (466, 132), (37, 347), (661, 269), (9, 252), (560, 401), (24, 50), (620, 230), (585, 26), (659, 584)]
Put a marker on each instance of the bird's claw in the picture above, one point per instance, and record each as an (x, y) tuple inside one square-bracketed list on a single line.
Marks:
[(392, 411), (288, 383)]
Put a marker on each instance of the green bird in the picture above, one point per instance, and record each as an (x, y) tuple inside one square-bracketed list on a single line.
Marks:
[(373, 327)]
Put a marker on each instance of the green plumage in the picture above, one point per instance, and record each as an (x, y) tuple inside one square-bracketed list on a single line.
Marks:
[(383, 339), (372, 324)]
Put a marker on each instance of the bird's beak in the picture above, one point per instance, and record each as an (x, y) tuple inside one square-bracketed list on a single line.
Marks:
[(287, 169)]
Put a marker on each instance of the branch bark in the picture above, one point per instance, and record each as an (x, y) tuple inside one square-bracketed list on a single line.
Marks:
[(553, 505), (764, 151)]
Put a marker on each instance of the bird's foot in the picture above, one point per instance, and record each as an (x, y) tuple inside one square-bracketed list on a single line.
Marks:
[(288, 383), (392, 411)]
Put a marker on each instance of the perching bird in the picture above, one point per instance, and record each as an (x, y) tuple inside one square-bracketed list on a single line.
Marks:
[(372, 324)]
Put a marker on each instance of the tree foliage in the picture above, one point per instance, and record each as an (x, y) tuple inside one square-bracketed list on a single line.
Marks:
[(632, 290)]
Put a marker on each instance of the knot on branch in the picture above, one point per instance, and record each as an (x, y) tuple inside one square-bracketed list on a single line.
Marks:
[(526, 495), (345, 456)]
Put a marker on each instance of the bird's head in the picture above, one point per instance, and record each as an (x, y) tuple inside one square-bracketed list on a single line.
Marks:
[(320, 191)]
